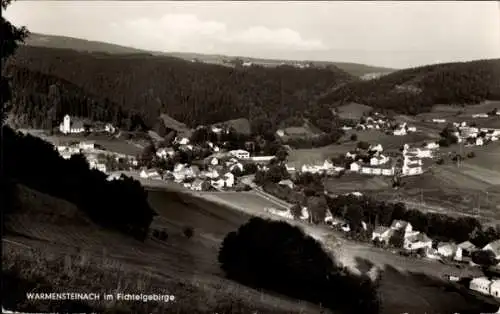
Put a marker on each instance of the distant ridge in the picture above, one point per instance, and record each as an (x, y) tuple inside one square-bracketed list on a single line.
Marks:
[(64, 42)]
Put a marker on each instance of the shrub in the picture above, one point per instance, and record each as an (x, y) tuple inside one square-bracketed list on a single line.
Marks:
[(279, 257), (188, 232)]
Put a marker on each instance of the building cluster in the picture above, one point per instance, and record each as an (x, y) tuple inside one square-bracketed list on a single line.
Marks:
[(372, 163), (76, 126), (96, 157), (474, 136), (403, 129)]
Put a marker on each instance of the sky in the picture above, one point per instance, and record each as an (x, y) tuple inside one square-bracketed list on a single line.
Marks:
[(384, 33)]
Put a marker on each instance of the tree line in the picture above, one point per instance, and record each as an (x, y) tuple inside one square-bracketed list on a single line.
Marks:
[(416, 90), (193, 93), (118, 204)]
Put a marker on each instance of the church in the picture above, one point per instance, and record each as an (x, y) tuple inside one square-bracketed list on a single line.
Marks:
[(69, 126)]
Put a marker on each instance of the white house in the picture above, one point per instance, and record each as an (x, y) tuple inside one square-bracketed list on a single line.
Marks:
[(480, 115), (405, 226), (432, 145), (288, 183), (383, 234), (376, 148), (86, 145), (439, 120), (182, 140), (240, 154), (68, 126), (282, 213), (228, 179), (417, 241), (486, 286), (479, 141), (449, 250), (412, 129), (280, 133), (399, 132), (109, 128), (467, 248), (261, 158), (411, 170), (354, 167), (494, 247), (289, 168)]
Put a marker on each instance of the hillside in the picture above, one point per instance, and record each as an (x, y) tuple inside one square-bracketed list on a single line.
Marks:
[(416, 90), (53, 41), (192, 93)]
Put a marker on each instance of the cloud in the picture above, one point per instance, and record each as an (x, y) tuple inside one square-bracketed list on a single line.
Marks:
[(187, 32)]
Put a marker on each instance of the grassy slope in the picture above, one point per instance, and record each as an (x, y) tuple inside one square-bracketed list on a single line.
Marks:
[(187, 268), (53, 41)]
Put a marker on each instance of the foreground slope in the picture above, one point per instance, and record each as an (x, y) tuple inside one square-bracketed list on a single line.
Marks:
[(50, 228), (418, 89), (53, 41)]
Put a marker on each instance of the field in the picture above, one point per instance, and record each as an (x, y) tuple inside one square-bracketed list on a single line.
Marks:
[(356, 182)]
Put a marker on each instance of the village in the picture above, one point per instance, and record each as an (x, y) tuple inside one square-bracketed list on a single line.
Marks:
[(230, 170)]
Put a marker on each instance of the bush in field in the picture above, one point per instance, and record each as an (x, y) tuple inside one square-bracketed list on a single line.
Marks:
[(188, 232), (279, 257)]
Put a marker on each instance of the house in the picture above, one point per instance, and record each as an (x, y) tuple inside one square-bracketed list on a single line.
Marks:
[(480, 115), (261, 159), (486, 286), (289, 168), (417, 241), (432, 145), (399, 132), (181, 140), (388, 171), (439, 120), (376, 148), (165, 152), (411, 170), (200, 185), (412, 129), (280, 133), (467, 248), (282, 213), (228, 179), (382, 234), (110, 128), (86, 145), (494, 247), (479, 141), (240, 154), (354, 167), (98, 166), (366, 170), (288, 183), (449, 250), (405, 226), (235, 166)]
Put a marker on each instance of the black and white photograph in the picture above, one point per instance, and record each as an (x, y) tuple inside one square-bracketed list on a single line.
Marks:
[(260, 157)]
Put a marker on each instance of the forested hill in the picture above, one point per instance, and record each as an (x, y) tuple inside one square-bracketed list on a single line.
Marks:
[(418, 89), (64, 42), (193, 93)]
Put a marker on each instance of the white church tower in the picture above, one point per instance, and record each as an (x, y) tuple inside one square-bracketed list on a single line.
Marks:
[(65, 127)]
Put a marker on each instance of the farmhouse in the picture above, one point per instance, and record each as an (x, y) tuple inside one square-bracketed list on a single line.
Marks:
[(261, 159), (71, 126), (404, 226), (200, 185), (432, 145)]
